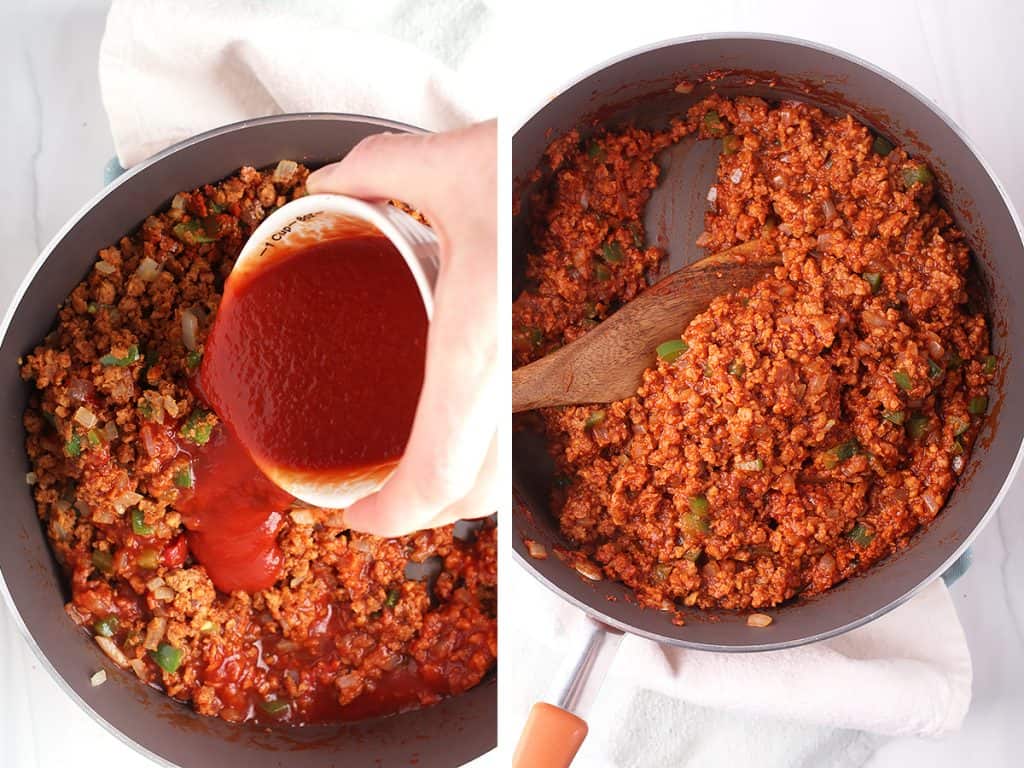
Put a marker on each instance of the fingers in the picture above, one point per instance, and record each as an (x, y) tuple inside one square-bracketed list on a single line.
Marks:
[(380, 167), (454, 420), (451, 178), (438, 174), (382, 518), (482, 499), (455, 417)]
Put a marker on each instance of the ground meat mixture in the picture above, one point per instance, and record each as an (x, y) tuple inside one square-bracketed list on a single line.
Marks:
[(356, 626), (797, 431)]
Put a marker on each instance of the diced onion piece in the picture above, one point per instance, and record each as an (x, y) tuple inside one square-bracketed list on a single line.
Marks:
[(759, 620), (285, 169), (163, 593), (824, 241), (817, 382), (31, 478), (349, 681), (139, 666), (85, 417), (127, 499), (189, 328), (361, 545), (932, 500), (155, 631), (80, 389), (148, 270), (935, 348), (149, 442), (303, 517), (537, 550), (171, 406), (778, 181), (103, 516), (110, 648), (589, 570), (736, 176), (585, 199), (178, 203), (712, 194), (828, 208), (105, 267), (155, 583), (110, 431), (875, 319), (99, 678)]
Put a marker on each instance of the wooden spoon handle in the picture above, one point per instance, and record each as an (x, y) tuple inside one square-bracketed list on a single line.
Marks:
[(608, 362)]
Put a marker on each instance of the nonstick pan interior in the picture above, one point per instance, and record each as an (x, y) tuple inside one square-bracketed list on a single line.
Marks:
[(640, 88)]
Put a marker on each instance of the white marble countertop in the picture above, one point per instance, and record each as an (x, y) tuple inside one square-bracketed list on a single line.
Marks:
[(55, 142)]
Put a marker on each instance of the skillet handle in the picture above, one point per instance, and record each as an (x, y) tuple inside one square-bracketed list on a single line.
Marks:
[(550, 739), (553, 734)]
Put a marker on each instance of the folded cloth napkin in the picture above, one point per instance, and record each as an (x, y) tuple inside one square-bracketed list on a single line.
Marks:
[(171, 70), (827, 704)]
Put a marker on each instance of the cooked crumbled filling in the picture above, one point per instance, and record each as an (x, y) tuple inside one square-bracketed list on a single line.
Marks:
[(812, 423)]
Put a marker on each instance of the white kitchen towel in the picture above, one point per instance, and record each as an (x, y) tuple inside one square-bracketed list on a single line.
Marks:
[(170, 70), (828, 704)]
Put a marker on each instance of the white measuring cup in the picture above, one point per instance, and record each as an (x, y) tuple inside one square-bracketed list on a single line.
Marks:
[(300, 224)]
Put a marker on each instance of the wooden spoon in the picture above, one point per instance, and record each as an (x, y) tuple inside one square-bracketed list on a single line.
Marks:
[(608, 362)]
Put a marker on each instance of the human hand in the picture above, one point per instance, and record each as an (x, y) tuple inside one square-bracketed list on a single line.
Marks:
[(449, 468)]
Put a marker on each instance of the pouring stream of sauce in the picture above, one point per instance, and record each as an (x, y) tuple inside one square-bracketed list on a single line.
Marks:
[(314, 366)]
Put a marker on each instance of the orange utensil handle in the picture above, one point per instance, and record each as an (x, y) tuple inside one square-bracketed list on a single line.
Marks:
[(550, 739)]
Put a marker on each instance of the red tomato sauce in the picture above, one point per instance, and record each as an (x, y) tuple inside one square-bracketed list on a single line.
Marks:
[(295, 367), (316, 359), (233, 516)]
